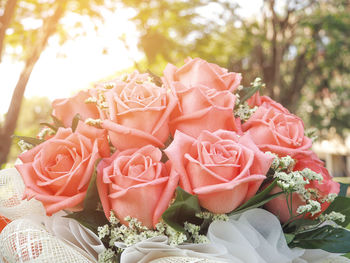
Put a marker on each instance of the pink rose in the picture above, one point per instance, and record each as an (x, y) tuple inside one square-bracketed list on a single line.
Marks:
[(66, 109), (202, 108), (222, 169), (136, 183), (198, 72), (266, 101), (137, 112), (277, 132), (57, 172), (278, 206)]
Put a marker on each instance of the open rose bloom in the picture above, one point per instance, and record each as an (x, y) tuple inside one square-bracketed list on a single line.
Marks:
[(146, 161), (58, 171), (222, 169)]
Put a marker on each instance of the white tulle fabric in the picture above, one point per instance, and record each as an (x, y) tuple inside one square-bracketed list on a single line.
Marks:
[(25, 241), (11, 191), (59, 233), (254, 236)]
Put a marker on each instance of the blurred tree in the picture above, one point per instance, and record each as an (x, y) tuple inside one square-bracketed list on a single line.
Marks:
[(32, 42), (34, 110), (173, 30), (326, 102), (299, 47)]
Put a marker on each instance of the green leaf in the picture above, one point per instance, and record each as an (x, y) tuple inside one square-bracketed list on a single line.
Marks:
[(289, 237), (92, 198), (258, 200), (156, 79), (183, 209), (90, 219), (248, 93), (341, 204), (30, 140), (328, 238), (75, 121), (298, 224), (57, 122), (343, 189), (54, 128)]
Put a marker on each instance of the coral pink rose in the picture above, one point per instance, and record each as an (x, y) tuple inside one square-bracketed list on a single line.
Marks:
[(198, 72), (277, 132), (57, 172), (137, 112), (66, 109), (136, 183), (266, 101), (222, 169), (278, 206), (202, 108)]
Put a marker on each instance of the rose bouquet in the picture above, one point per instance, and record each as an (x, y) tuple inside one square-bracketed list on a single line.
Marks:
[(189, 165)]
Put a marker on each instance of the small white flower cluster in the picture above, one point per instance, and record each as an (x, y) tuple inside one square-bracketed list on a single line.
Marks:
[(285, 163), (24, 146), (295, 181), (258, 83), (46, 131), (291, 182), (312, 134), (107, 256), (175, 237), (244, 112), (311, 175), (100, 101), (194, 232), (212, 216), (312, 207), (333, 216), (93, 122), (136, 232), (329, 198)]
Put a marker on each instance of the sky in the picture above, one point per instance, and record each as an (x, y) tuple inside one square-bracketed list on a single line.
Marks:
[(83, 63)]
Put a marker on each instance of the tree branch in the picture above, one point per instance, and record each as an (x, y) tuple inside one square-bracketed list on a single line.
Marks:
[(5, 21), (48, 29)]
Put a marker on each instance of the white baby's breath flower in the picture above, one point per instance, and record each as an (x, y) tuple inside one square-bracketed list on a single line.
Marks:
[(312, 207), (220, 217), (311, 175), (103, 231), (107, 256), (334, 216), (93, 122), (329, 198), (113, 219), (24, 146), (90, 100)]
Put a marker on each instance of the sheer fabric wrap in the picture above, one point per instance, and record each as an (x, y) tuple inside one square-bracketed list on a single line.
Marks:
[(254, 236)]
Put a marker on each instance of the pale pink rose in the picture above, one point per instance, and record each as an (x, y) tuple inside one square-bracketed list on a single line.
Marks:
[(221, 168), (279, 207), (198, 72), (137, 112), (277, 132), (66, 109), (136, 183), (202, 108), (266, 101), (57, 172)]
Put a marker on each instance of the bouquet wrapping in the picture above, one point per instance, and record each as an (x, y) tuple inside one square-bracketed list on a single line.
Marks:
[(189, 167)]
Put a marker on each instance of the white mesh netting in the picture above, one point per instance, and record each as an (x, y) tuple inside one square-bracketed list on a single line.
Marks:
[(24, 241), (39, 238), (11, 191)]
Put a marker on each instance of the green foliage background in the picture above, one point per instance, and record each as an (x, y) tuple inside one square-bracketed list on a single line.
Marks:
[(301, 49)]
